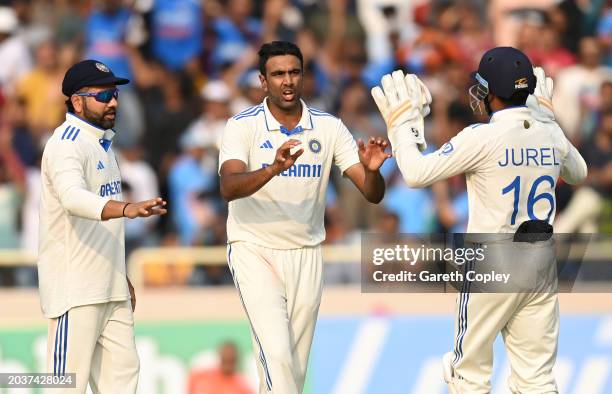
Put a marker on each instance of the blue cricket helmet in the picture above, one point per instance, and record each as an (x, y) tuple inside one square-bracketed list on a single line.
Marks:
[(504, 71)]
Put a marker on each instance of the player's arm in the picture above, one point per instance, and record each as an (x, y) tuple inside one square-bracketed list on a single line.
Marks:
[(114, 209), (403, 102), (461, 154), (66, 169), (237, 182), (366, 175)]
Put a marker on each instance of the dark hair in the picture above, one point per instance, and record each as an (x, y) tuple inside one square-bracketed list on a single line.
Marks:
[(278, 48), (517, 99)]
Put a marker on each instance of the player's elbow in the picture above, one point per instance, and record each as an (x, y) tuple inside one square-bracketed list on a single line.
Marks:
[(375, 199), (413, 180), (226, 192), (578, 176)]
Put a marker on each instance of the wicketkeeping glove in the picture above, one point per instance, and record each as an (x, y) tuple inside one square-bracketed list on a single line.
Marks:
[(540, 102), (403, 102)]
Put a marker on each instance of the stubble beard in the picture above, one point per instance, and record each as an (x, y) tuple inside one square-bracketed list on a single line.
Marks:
[(98, 120)]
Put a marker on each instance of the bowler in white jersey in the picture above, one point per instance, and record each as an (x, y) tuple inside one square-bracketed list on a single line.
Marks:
[(275, 163), (511, 165), (84, 290)]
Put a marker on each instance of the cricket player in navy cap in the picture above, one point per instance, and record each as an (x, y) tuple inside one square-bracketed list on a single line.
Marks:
[(84, 290), (511, 164)]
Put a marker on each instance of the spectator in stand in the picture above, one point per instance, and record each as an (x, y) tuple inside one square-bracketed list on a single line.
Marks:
[(187, 182), (106, 39), (12, 189), (176, 32), (585, 207), (251, 92), (236, 32), (577, 89), (168, 100), (14, 52), (224, 379), (105, 33), (141, 183), (604, 33), (549, 54), (44, 102), (216, 97)]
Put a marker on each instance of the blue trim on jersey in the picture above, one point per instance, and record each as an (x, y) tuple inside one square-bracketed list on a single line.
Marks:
[(298, 129), (57, 329), (262, 356), (476, 125), (254, 112), (65, 344), (76, 134), (105, 144), (463, 314), (61, 345), (65, 131), (316, 112), (70, 133), (248, 110)]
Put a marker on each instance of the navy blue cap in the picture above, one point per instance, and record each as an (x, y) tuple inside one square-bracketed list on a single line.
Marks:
[(505, 71), (89, 73)]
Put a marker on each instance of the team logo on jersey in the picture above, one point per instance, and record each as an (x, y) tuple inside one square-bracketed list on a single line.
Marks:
[(266, 145), (414, 131), (314, 146), (447, 149), (102, 67), (520, 83)]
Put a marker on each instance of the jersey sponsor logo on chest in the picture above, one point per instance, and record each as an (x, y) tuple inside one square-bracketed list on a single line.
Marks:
[(300, 170), (110, 189), (527, 157)]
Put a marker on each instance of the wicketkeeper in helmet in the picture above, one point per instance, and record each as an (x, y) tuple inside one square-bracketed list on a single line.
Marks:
[(511, 165)]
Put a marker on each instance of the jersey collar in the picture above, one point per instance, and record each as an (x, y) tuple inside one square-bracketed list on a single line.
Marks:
[(272, 124), (512, 113), (105, 137)]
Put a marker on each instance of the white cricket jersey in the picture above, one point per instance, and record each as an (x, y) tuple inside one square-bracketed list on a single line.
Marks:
[(511, 165), (81, 259), (287, 212)]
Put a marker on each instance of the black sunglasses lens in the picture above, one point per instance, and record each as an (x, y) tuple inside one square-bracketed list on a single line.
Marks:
[(106, 96)]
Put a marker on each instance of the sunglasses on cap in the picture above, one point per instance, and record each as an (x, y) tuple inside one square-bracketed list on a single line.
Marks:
[(104, 96)]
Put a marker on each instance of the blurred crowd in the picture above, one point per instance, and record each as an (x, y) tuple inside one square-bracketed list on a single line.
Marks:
[(192, 64)]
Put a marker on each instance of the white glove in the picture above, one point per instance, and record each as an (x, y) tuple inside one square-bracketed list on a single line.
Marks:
[(403, 102), (540, 102)]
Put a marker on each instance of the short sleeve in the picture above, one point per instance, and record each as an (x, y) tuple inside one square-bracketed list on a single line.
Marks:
[(345, 149), (234, 143)]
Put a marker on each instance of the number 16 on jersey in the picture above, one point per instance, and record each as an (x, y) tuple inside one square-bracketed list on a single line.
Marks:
[(533, 198)]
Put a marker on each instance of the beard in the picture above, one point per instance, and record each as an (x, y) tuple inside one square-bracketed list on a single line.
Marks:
[(98, 119)]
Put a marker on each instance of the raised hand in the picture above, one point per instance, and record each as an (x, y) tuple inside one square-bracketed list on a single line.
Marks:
[(540, 102), (284, 159), (372, 155), (403, 102)]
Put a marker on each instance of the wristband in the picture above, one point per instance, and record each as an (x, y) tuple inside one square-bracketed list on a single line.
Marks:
[(125, 206)]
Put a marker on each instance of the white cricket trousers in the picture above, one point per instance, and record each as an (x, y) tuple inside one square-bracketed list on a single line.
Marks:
[(528, 322), (280, 291), (96, 342)]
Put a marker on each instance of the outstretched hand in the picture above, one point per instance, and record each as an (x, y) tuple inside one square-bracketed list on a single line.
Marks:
[(146, 208), (372, 155)]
